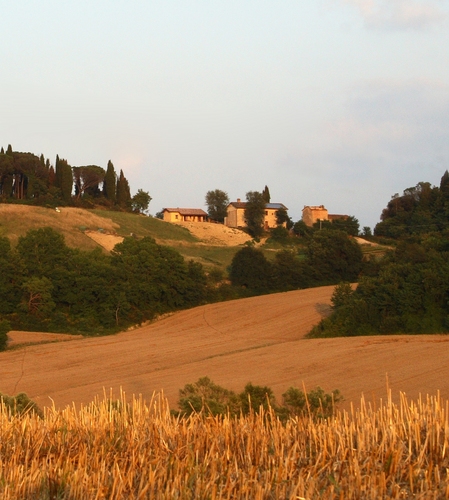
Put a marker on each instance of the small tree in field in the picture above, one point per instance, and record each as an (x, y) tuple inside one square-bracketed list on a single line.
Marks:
[(217, 202)]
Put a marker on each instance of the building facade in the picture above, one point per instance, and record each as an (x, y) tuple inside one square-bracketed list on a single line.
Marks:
[(184, 215), (236, 214)]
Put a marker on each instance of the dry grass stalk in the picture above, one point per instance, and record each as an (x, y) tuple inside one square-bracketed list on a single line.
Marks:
[(120, 450)]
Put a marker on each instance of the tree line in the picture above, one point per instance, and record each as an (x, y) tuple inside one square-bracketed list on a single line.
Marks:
[(409, 292), (47, 286), (211, 399), (28, 178)]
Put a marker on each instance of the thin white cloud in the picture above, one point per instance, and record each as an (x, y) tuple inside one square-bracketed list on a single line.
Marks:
[(387, 124), (401, 14)]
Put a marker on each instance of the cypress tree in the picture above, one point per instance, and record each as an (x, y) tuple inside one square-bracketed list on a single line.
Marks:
[(110, 183), (266, 194), (64, 179), (123, 192)]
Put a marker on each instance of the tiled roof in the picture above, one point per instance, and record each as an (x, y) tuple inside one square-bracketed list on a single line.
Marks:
[(186, 211), (276, 206), (273, 206)]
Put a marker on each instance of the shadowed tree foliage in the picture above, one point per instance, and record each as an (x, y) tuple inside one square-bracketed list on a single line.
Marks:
[(421, 209), (266, 194), (123, 192), (10, 278), (250, 269), (110, 183), (87, 180), (5, 327), (217, 202), (334, 256), (64, 179), (283, 217), (155, 279), (254, 213), (409, 292)]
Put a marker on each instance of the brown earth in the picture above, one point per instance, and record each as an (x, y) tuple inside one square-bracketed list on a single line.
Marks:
[(107, 241), (208, 234), (259, 339), (216, 234)]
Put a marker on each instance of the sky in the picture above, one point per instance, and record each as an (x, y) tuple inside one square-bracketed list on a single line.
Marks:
[(341, 103)]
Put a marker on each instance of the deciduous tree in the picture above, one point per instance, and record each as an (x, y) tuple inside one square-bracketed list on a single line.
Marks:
[(255, 213), (140, 201), (217, 202)]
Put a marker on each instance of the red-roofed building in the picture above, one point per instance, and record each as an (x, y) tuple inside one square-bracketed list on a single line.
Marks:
[(184, 215)]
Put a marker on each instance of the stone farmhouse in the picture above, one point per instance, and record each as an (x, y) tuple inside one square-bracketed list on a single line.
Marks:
[(184, 215), (236, 212), (312, 214)]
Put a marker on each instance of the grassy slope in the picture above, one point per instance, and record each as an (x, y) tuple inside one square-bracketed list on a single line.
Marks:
[(17, 220)]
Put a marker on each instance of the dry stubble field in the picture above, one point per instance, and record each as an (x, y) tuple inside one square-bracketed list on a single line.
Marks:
[(259, 339)]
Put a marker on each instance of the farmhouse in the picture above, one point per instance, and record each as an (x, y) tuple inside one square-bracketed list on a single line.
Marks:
[(184, 215), (312, 214), (236, 214)]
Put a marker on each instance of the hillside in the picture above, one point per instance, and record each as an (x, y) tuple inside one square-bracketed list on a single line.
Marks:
[(259, 339), (210, 244)]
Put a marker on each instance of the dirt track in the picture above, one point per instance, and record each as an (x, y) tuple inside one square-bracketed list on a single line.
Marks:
[(258, 339)]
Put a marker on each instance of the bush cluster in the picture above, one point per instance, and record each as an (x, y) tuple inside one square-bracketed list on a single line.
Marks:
[(206, 396)]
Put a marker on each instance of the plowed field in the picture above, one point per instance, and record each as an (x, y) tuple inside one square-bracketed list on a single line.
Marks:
[(259, 339)]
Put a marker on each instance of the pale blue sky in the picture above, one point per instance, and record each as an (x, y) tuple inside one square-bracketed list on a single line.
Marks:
[(334, 102)]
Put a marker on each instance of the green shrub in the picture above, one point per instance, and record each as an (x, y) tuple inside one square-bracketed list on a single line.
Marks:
[(19, 405), (207, 397), (5, 327)]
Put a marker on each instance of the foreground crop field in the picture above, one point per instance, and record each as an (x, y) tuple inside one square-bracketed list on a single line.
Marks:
[(121, 450), (260, 339)]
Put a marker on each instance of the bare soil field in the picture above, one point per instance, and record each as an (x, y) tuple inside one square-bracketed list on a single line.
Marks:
[(216, 234), (259, 339)]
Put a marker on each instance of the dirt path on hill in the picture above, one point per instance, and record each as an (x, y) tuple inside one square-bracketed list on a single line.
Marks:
[(259, 339)]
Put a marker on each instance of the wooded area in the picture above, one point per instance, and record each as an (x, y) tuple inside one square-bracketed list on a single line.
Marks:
[(31, 179), (409, 291)]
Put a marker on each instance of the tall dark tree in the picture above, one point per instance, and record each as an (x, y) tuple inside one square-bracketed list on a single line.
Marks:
[(87, 180), (110, 183), (266, 194), (64, 178), (6, 175), (255, 213), (444, 185), (217, 202), (123, 191)]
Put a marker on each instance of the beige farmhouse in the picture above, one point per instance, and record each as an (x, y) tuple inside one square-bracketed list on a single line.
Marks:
[(313, 214), (236, 214), (184, 215)]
